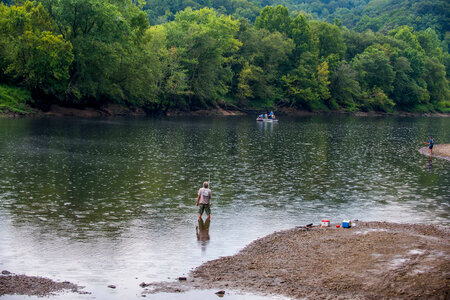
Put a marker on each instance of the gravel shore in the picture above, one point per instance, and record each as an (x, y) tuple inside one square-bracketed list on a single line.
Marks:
[(370, 261), (12, 284)]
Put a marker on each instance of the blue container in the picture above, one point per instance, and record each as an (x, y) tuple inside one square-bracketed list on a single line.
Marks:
[(346, 224)]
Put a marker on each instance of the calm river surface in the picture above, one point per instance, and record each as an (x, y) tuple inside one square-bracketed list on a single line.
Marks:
[(112, 201)]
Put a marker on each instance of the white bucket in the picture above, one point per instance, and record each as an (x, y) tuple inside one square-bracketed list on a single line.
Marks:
[(325, 223)]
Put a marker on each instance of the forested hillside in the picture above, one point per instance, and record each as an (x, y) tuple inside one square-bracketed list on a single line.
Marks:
[(359, 15), (188, 55), (378, 15)]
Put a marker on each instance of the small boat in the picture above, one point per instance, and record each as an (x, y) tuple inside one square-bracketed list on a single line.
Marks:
[(266, 120), (270, 120)]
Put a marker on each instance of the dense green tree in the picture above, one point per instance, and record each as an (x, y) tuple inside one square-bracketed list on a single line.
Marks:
[(302, 35), (330, 39), (275, 19), (429, 42), (437, 84), (356, 42), (32, 54), (303, 84), (207, 44), (105, 36), (261, 61), (249, 78), (407, 92), (374, 69), (345, 87), (42, 61), (269, 51), (175, 85), (405, 33)]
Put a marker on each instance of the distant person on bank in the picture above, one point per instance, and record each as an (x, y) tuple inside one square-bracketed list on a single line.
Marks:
[(203, 201), (430, 144)]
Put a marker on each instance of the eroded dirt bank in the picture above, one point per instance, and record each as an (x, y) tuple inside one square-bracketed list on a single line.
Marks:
[(370, 261)]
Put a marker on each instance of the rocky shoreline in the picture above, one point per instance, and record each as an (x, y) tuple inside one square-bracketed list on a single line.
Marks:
[(374, 260), (13, 284), (371, 260)]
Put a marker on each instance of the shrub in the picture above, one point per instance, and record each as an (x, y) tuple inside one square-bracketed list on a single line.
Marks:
[(443, 107), (14, 99)]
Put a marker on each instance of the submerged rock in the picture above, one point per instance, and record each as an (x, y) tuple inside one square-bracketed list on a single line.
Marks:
[(220, 293)]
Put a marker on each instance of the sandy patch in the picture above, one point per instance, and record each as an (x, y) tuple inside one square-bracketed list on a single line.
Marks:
[(439, 150)]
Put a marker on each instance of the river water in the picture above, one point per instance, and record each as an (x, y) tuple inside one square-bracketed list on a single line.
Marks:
[(112, 201)]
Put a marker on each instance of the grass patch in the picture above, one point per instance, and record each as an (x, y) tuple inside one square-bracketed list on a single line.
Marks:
[(14, 100)]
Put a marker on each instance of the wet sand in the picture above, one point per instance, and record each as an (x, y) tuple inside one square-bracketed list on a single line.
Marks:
[(439, 150), (370, 261)]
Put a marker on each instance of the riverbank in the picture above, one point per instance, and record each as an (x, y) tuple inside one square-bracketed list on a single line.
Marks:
[(112, 110), (439, 150), (374, 260), (371, 260), (115, 110)]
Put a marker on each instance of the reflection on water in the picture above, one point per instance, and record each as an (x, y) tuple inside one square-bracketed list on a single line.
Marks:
[(101, 202), (202, 231)]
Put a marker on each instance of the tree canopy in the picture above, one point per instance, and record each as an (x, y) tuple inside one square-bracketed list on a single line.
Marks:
[(200, 54)]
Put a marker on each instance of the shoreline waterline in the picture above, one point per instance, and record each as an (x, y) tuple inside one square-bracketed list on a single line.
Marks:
[(117, 110), (373, 259), (326, 262)]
